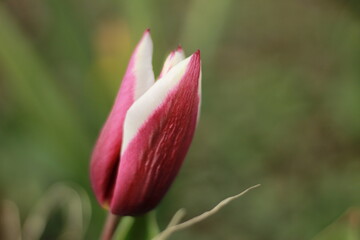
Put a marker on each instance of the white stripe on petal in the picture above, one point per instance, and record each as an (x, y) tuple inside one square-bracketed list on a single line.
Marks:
[(143, 69), (143, 107), (174, 58)]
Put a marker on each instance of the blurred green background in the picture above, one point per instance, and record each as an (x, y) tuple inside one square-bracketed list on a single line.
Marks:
[(281, 107)]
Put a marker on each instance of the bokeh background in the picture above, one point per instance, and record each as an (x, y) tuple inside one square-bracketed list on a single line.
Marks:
[(281, 107)]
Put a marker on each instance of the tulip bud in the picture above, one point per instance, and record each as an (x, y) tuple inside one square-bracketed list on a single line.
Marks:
[(148, 132)]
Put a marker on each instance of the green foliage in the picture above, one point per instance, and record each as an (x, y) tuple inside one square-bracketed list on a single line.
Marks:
[(142, 227), (347, 227), (280, 106)]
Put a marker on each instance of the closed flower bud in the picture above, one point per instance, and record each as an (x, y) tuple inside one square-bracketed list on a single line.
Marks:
[(148, 131)]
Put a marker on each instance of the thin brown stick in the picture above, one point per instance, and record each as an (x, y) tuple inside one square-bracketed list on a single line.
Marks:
[(110, 226), (173, 226)]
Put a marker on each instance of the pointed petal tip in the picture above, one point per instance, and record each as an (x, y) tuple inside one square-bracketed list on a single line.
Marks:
[(146, 40), (196, 56), (146, 33), (180, 50), (195, 61)]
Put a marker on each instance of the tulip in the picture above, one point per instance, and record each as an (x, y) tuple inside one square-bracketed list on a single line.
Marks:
[(148, 132)]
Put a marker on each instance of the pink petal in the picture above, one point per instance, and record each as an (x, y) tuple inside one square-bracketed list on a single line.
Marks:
[(138, 78), (158, 130)]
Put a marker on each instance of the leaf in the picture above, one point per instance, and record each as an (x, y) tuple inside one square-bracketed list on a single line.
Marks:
[(134, 228), (347, 227), (39, 95)]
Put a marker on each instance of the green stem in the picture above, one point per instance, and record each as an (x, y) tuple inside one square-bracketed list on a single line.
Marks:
[(110, 226)]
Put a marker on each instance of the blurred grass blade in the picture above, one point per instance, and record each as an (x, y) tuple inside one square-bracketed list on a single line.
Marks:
[(347, 227), (37, 93), (124, 228), (153, 227), (69, 34), (10, 224), (134, 9), (75, 205), (144, 227), (204, 25)]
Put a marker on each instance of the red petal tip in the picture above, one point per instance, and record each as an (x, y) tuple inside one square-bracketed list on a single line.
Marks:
[(172, 53), (196, 55), (179, 48), (146, 34), (195, 62)]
